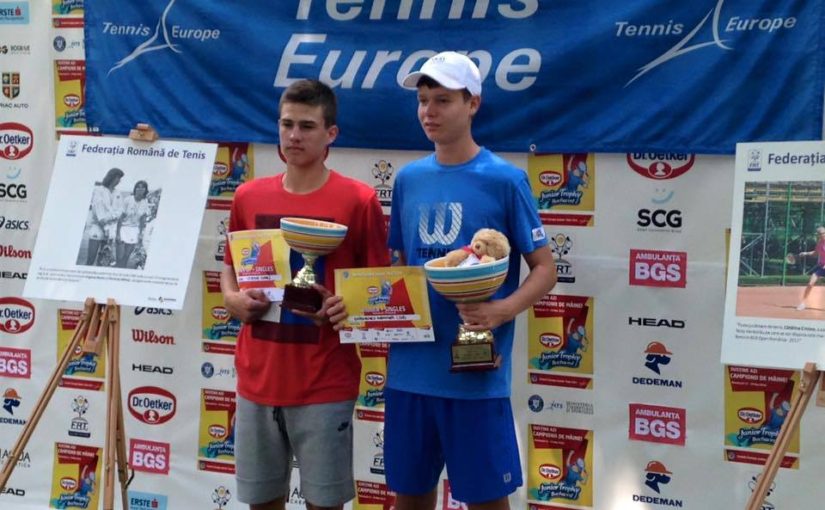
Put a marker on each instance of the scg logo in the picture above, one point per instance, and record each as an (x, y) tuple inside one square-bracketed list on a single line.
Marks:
[(660, 218), (12, 190)]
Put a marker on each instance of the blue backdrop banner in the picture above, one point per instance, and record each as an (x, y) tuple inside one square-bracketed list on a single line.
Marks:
[(560, 76)]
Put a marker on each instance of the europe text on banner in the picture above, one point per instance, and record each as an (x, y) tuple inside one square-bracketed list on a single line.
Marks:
[(775, 302), (559, 467), (216, 439), (261, 260), (564, 186), (757, 401), (638, 75), (560, 341), (387, 304), (86, 370)]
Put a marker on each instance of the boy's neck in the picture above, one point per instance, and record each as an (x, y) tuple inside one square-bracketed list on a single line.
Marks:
[(305, 180), (458, 152)]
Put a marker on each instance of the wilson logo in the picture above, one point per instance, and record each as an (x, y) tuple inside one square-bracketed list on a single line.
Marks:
[(150, 337), (550, 340), (16, 315), (549, 178), (549, 471), (750, 415), (152, 405), (660, 166), (374, 378)]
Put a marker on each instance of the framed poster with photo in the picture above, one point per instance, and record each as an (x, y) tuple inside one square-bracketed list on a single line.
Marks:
[(121, 221)]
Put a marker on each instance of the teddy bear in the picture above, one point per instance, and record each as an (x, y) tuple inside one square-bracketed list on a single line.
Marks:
[(487, 245)]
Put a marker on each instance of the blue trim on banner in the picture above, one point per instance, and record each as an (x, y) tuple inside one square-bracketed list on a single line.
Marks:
[(565, 76)]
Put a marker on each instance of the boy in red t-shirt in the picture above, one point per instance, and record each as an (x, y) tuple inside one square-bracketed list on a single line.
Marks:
[(296, 383)]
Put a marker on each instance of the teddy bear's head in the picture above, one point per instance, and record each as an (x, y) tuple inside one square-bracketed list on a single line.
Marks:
[(490, 242)]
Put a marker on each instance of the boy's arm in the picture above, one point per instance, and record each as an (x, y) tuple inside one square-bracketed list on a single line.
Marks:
[(491, 314), (246, 305)]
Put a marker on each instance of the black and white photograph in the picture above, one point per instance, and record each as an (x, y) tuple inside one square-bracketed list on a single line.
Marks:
[(118, 229)]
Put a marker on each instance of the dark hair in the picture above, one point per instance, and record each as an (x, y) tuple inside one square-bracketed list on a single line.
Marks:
[(111, 176), (312, 93), (145, 186), (426, 81)]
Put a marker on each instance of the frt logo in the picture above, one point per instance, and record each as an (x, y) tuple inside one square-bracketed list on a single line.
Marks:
[(658, 424), (654, 268)]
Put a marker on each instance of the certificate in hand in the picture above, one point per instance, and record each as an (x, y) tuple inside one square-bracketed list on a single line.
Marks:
[(261, 260), (385, 304)]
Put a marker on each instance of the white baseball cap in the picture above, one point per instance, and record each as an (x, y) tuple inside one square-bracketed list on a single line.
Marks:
[(451, 70)]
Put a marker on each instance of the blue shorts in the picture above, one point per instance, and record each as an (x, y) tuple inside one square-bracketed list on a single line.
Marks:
[(819, 270), (476, 439)]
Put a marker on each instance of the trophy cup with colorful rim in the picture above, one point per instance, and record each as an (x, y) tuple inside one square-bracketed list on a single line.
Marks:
[(312, 239), (472, 350)]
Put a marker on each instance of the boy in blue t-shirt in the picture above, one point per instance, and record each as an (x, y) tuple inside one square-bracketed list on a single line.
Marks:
[(435, 416)]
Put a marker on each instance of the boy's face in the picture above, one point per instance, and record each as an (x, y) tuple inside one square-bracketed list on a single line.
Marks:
[(304, 138), (444, 114)]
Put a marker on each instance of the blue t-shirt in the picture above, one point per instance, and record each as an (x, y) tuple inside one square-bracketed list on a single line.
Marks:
[(437, 208)]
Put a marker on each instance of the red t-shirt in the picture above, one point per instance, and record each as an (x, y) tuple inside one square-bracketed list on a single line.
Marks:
[(275, 363)]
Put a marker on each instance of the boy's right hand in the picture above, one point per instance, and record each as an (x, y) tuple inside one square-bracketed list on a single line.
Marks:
[(247, 305)]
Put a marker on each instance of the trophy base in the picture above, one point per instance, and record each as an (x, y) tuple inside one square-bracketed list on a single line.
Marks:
[(303, 299), (474, 357)]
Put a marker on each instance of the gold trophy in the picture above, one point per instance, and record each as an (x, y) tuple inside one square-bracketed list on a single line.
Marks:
[(472, 350), (312, 239)]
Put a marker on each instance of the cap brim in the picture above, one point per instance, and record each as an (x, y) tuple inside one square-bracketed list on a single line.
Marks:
[(411, 81)]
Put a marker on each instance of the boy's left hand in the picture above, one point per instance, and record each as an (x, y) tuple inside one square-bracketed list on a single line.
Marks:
[(332, 309)]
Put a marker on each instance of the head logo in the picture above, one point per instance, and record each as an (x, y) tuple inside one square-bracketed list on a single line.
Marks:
[(11, 84), (750, 415), (549, 471), (374, 378), (660, 166), (16, 315), (152, 405), (16, 140), (656, 354), (656, 473)]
